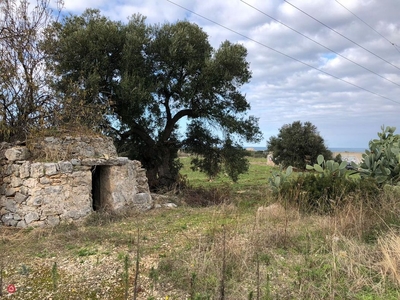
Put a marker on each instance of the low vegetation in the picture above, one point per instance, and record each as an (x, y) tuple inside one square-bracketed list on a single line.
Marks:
[(225, 240)]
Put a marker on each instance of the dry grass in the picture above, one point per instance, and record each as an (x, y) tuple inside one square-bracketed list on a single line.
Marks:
[(282, 254), (389, 263), (250, 250)]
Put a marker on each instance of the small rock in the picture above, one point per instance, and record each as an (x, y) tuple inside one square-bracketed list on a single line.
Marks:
[(170, 205), (30, 217), (19, 197), (17, 153)]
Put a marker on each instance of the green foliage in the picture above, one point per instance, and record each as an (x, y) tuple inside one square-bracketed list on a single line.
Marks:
[(229, 158), (297, 144), (280, 179), (382, 160), (325, 192), (149, 77), (86, 252), (329, 167), (329, 184)]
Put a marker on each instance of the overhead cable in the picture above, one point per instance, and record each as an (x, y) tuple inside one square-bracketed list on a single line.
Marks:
[(348, 59), (337, 32), (391, 43), (286, 55)]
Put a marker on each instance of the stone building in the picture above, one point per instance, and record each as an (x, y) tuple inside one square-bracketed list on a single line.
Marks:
[(66, 179)]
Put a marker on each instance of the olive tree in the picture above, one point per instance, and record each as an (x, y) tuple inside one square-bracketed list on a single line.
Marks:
[(166, 88)]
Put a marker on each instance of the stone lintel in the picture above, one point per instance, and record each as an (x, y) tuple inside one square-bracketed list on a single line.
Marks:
[(112, 161)]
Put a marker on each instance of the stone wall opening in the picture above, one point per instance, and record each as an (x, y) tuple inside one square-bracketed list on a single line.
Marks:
[(96, 188)]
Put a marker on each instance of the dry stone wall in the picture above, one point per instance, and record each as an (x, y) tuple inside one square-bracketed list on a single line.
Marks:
[(35, 193)]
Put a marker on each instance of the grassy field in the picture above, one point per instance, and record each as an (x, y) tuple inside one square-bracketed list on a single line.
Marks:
[(223, 241)]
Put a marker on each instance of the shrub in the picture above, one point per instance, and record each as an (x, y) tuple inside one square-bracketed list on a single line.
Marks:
[(382, 160), (325, 193), (297, 144), (328, 186)]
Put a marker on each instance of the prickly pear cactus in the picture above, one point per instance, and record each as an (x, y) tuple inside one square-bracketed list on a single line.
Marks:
[(280, 178), (329, 167), (382, 160)]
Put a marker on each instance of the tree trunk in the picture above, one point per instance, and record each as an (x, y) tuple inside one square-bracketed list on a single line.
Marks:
[(160, 172)]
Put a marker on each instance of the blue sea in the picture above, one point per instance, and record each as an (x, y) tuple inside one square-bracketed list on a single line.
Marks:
[(357, 150)]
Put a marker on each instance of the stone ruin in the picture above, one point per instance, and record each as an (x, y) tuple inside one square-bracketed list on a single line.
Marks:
[(65, 179)]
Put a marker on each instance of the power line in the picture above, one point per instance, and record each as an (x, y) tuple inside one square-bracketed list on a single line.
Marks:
[(391, 43), (337, 32), (286, 55), (348, 59)]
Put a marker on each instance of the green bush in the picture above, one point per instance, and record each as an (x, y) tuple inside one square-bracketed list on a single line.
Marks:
[(327, 186), (313, 192), (382, 160), (296, 145)]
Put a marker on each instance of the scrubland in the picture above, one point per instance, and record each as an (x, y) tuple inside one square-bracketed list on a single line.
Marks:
[(223, 241)]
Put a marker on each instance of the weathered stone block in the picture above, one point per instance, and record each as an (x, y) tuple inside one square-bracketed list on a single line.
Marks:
[(105, 161), (17, 217), (82, 178), (53, 191), (25, 169), (52, 210), (21, 224), (10, 205), (3, 211), (53, 220), (11, 169), (38, 224), (17, 153), (8, 219), (75, 162), (16, 181), (65, 166), (7, 179), (24, 190), (10, 192), (37, 170), (142, 201), (50, 168), (30, 217), (45, 180), (3, 188), (76, 214), (35, 201), (19, 197), (30, 182)]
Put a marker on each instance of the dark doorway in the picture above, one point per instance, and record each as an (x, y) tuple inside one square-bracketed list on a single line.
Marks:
[(96, 187)]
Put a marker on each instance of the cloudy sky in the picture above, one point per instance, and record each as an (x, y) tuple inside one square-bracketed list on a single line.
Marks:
[(335, 63)]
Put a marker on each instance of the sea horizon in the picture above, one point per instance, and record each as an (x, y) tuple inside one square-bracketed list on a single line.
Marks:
[(333, 149)]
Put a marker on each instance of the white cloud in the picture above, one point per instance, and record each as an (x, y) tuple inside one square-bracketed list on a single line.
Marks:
[(283, 90)]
